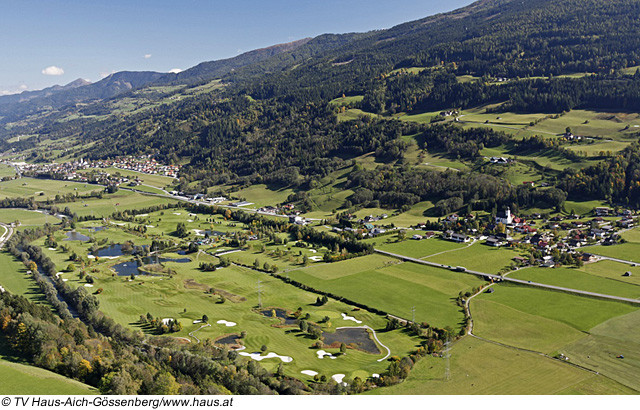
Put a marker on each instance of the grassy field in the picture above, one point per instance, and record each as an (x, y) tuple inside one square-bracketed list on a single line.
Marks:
[(18, 378), (26, 218), (478, 257), (346, 100), (14, 278), (578, 279), (614, 271), (261, 195), (599, 351), (478, 367), (417, 249), (121, 200), (579, 312), (496, 321), (582, 207), (6, 171), (31, 187), (629, 251), (592, 123), (395, 288)]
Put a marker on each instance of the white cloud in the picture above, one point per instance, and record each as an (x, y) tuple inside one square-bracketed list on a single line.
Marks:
[(53, 70), (175, 70), (105, 74), (14, 90), (147, 56)]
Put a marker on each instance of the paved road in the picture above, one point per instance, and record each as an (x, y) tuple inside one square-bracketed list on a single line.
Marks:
[(513, 280), (8, 232), (617, 260)]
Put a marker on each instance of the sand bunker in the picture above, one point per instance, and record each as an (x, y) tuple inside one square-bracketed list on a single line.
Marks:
[(375, 375), (52, 249), (197, 321), (338, 377), (88, 285), (309, 372), (177, 213), (227, 324), (257, 356), (322, 354), (142, 215), (345, 317)]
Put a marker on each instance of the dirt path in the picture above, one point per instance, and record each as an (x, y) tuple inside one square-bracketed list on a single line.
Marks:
[(194, 336)]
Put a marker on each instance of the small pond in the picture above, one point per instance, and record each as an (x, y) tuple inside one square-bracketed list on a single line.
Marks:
[(228, 340), (76, 236), (96, 228), (357, 336), (111, 250), (132, 267), (280, 313)]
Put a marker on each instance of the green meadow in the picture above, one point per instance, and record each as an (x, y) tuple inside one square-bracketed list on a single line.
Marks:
[(478, 367), (394, 287)]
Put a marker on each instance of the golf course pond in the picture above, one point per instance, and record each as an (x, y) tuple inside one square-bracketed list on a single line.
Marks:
[(356, 336), (133, 267), (76, 236), (280, 313)]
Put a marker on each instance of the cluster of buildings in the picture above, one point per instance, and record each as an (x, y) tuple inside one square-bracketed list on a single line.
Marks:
[(553, 236), (69, 170)]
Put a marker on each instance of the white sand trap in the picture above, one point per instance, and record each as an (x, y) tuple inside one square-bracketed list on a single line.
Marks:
[(270, 355), (322, 354), (64, 280), (141, 215), (375, 375), (197, 321), (189, 220), (166, 321), (345, 317), (58, 274), (240, 348), (88, 285), (313, 250), (226, 323), (118, 223), (199, 232), (192, 214), (149, 226), (338, 377), (316, 258), (177, 213), (309, 372), (52, 249), (1, 289)]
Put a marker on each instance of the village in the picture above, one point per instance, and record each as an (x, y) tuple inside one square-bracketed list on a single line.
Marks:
[(144, 164)]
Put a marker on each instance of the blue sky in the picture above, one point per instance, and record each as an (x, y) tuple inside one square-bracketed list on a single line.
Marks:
[(46, 42)]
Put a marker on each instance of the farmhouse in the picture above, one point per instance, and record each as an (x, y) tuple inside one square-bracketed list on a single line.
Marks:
[(456, 237), (603, 211), (493, 241)]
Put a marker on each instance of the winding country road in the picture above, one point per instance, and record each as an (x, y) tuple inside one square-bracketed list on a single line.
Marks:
[(507, 279), (8, 232)]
